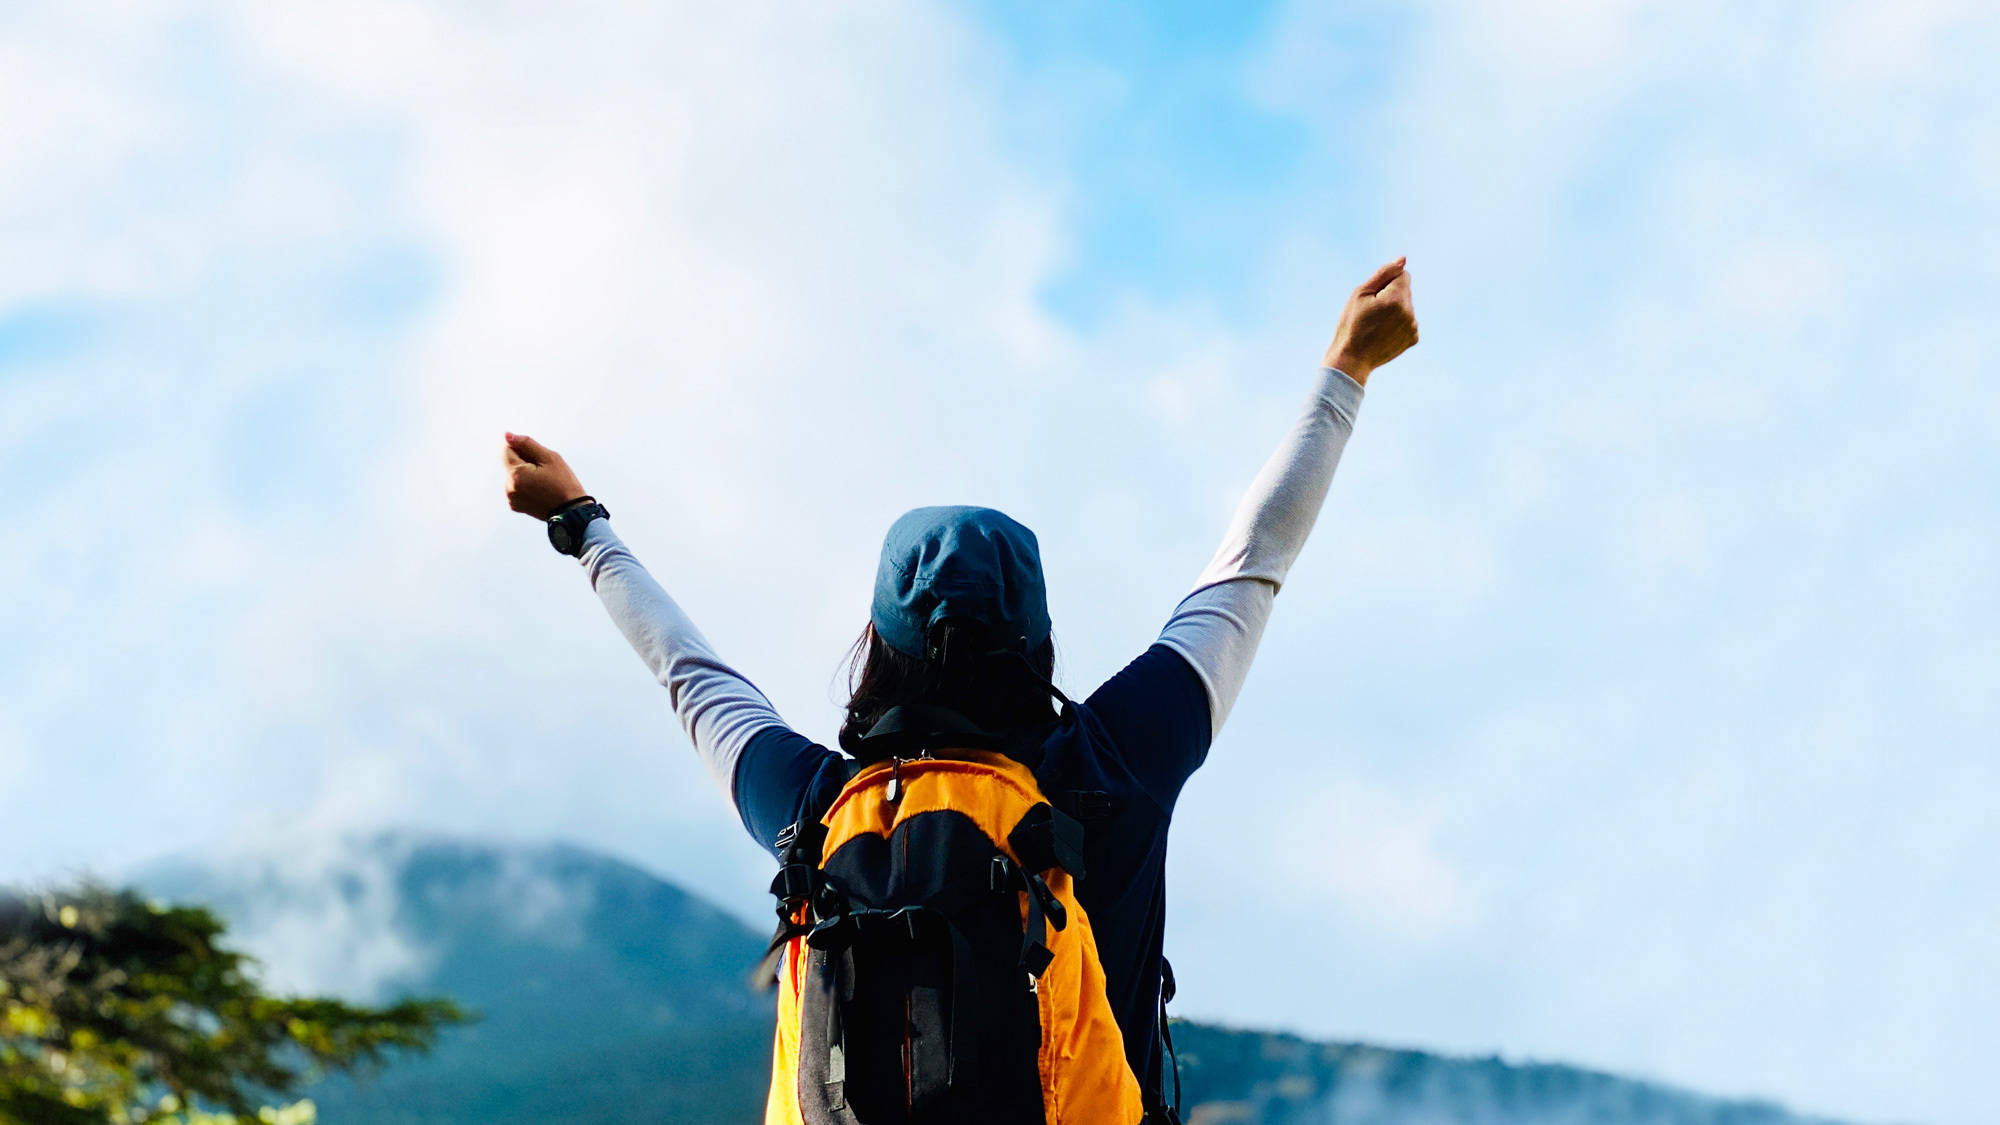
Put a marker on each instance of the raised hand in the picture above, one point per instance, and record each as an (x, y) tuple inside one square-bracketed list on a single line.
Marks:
[(539, 481), (1378, 324)]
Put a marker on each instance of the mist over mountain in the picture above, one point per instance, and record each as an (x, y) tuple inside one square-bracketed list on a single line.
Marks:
[(609, 995)]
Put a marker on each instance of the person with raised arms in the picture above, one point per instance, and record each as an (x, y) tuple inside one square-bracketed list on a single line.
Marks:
[(971, 894)]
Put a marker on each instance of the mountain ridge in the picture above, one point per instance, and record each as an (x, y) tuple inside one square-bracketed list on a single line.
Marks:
[(611, 995)]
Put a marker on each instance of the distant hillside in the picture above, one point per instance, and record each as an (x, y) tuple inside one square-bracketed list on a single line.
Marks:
[(610, 996), (1258, 1078)]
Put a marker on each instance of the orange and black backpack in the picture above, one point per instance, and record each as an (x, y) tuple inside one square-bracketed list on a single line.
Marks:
[(932, 961)]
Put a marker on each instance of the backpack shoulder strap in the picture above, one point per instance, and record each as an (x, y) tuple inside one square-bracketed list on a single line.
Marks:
[(1159, 1111), (798, 878)]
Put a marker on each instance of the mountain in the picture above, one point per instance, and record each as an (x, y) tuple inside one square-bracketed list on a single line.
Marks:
[(610, 996), (605, 994)]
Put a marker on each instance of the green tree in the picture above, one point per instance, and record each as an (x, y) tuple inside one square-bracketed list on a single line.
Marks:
[(115, 1011)]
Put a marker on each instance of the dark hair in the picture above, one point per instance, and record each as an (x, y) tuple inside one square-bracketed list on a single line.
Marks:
[(998, 692)]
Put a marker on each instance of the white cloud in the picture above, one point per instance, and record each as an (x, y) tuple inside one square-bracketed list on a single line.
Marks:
[(321, 913)]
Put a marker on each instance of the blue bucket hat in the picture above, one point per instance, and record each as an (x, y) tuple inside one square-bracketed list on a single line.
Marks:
[(960, 563)]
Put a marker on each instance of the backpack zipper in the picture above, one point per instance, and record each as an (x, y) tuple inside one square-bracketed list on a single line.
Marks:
[(894, 794)]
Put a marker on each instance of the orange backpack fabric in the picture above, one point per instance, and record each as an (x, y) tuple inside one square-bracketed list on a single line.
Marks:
[(903, 841)]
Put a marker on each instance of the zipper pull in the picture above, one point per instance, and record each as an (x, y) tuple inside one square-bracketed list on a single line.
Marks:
[(895, 793)]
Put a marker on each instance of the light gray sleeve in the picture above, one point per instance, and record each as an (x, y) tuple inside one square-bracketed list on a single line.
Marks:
[(1217, 626), (717, 705)]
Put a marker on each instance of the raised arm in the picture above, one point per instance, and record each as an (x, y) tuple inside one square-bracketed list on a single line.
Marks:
[(719, 707), (1218, 625)]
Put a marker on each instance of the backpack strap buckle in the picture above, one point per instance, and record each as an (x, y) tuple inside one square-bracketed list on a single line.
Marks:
[(794, 882), (1084, 804)]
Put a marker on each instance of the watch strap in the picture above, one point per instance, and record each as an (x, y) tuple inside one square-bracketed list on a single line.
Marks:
[(568, 524)]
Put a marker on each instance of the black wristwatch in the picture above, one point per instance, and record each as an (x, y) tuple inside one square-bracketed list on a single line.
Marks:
[(566, 527)]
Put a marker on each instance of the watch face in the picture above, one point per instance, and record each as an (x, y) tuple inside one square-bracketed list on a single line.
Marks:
[(559, 535)]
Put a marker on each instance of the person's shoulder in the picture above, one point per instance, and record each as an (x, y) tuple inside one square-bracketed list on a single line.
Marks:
[(1159, 678), (778, 770), (1153, 718)]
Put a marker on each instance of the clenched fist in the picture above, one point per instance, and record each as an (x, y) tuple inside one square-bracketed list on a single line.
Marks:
[(1378, 324), (539, 481)]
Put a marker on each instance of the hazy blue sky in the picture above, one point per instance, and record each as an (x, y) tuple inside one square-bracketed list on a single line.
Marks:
[(1633, 704)]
